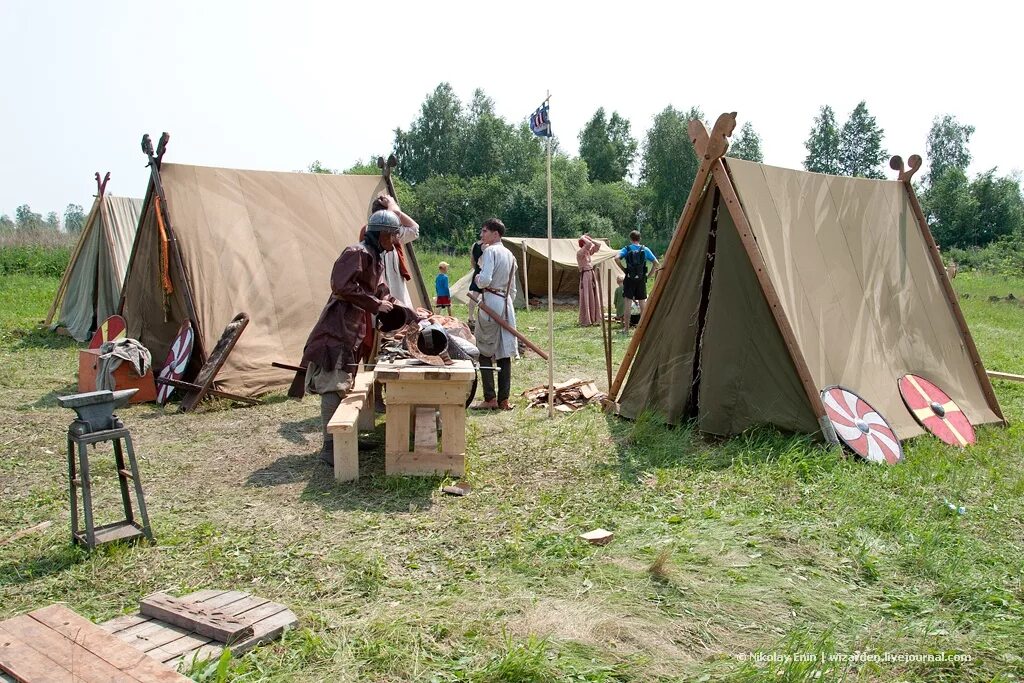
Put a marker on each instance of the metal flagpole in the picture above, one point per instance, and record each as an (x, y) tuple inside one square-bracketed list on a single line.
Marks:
[(551, 300)]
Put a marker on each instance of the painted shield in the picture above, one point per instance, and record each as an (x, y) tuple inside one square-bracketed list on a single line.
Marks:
[(177, 361), (861, 427), (936, 411), (110, 329)]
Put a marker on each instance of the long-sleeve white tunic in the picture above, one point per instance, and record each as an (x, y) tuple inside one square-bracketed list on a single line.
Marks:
[(497, 272)]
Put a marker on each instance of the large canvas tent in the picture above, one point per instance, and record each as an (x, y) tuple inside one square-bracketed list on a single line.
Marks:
[(228, 241), (90, 289), (780, 283), (532, 268)]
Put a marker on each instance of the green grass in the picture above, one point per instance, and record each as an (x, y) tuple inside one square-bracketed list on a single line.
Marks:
[(764, 543)]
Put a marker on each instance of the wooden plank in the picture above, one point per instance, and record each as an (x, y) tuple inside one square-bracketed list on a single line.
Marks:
[(215, 361), (1005, 375), (346, 455), (425, 431), (346, 417), (421, 462), (201, 618), (151, 635), (104, 645), (174, 649), (202, 653), (244, 605), (118, 624), (267, 629), (453, 430), (63, 652), (427, 392), (396, 428), (460, 369), (26, 665)]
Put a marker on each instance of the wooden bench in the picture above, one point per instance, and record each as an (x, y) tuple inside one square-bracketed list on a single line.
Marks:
[(355, 414)]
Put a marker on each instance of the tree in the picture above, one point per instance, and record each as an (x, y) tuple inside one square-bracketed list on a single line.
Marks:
[(52, 221), (823, 144), (608, 147), (74, 218), (6, 224), (746, 144), (947, 146), (860, 145), (668, 169), (27, 219), (433, 144), (317, 167), (951, 209), (1000, 206)]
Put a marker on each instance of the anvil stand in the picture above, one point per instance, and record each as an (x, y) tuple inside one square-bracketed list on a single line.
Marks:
[(97, 422)]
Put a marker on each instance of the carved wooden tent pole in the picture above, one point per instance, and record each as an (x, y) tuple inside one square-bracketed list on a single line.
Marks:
[(156, 198), (905, 175)]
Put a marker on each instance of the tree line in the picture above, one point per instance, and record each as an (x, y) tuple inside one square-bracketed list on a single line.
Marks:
[(460, 163)]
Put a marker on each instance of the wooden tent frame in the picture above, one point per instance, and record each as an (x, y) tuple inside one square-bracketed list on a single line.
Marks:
[(710, 150)]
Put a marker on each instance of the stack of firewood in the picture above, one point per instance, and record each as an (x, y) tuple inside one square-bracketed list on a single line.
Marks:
[(570, 395)]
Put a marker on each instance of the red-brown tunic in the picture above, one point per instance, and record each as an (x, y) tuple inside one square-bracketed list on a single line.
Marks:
[(357, 291)]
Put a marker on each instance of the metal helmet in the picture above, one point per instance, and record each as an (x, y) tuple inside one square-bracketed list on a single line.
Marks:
[(383, 221)]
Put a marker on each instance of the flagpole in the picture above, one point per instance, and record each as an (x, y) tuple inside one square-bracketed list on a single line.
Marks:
[(551, 301)]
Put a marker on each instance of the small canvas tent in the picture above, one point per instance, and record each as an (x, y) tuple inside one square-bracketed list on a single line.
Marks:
[(532, 266), (90, 289), (780, 283), (225, 241)]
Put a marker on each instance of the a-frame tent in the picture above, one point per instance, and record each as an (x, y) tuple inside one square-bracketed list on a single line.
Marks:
[(780, 283), (531, 255), (90, 289), (215, 242)]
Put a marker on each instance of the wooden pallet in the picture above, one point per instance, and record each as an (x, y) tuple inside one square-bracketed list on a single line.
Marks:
[(55, 644), (173, 645)]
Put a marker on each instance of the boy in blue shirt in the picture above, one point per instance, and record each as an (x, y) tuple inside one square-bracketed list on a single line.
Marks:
[(635, 256), (444, 295)]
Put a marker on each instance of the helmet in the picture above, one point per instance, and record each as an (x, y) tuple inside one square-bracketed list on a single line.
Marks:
[(383, 221)]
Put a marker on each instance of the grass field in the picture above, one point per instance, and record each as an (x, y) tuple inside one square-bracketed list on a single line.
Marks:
[(765, 544)]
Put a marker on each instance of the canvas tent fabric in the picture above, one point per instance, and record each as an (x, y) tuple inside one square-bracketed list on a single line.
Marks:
[(257, 242), (565, 271), (854, 278), (90, 289)]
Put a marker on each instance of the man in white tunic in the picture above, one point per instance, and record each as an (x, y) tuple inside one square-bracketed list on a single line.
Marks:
[(497, 283)]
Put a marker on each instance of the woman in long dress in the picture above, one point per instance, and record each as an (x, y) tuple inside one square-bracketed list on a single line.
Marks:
[(590, 311)]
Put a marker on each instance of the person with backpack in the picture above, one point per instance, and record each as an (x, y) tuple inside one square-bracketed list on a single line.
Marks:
[(635, 257)]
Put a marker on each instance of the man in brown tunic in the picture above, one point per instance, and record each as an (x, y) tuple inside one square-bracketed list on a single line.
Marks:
[(332, 351)]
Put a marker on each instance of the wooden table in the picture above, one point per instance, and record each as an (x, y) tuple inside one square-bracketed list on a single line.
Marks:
[(55, 644), (414, 394)]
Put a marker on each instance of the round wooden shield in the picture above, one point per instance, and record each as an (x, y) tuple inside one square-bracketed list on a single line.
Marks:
[(177, 361), (861, 427), (110, 329), (936, 411)]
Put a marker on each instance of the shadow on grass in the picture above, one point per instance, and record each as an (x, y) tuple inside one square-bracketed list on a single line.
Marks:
[(374, 491), (50, 562), (49, 400), (649, 443), (296, 431), (41, 338)]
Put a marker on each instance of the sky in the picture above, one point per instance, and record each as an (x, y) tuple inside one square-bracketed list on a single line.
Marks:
[(275, 86)]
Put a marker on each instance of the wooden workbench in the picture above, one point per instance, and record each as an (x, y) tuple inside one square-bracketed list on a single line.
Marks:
[(414, 394)]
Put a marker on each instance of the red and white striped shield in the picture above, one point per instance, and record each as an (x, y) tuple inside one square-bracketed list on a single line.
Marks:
[(861, 427), (110, 329), (936, 411), (177, 361)]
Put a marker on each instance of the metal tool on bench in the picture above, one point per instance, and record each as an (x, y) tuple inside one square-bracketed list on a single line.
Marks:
[(97, 422)]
